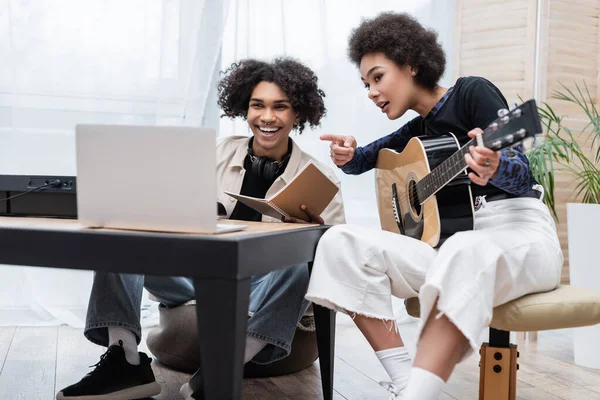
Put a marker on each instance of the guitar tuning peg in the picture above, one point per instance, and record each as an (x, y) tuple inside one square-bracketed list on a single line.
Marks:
[(513, 105), (521, 133), (502, 112), (517, 113)]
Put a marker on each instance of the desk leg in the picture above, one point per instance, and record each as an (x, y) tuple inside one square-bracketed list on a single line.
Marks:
[(222, 309), (325, 325)]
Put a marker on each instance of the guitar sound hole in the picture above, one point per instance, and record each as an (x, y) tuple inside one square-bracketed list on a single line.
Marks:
[(413, 199)]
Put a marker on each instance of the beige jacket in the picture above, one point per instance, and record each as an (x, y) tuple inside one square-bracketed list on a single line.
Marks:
[(231, 153)]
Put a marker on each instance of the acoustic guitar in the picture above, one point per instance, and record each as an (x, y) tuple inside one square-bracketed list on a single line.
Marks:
[(424, 191)]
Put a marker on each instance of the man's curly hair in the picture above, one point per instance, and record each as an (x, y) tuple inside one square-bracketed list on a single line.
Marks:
[(403, 40), (297, 81)]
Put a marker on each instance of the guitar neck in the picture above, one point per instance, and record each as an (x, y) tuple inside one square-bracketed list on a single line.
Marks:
[(510, 128), (443, 173)]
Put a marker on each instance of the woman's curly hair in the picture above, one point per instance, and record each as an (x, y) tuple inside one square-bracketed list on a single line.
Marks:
[(297, 81), (403, 40)]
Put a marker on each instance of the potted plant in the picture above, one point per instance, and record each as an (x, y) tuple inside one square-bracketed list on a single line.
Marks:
[(560, 150)]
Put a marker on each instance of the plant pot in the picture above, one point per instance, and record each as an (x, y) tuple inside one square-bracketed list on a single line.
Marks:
[(583, 221)]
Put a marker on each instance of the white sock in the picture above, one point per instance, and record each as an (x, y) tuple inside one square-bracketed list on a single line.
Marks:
[(129, 343), (423, 385), (253, 347), (397, 364)]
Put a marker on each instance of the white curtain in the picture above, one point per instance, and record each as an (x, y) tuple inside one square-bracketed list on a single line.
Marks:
[(65, 62), (156, 62)]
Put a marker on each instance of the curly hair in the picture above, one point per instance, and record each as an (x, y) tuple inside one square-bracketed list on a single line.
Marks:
[(297, 81), (403, 40)]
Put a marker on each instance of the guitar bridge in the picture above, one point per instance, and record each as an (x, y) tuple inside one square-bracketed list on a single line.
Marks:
[(396, 209)]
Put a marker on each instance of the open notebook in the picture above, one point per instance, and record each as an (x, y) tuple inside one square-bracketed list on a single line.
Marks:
[(309, 187)]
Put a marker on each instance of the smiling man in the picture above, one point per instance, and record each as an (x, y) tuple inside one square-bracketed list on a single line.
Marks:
[(274, 98)]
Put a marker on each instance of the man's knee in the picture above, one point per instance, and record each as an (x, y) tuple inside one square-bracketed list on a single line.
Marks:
[(298, 274), (290, 279), (170, 291)]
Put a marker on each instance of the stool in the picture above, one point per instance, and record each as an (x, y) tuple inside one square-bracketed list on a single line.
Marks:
[(175, 343), (565, 307)]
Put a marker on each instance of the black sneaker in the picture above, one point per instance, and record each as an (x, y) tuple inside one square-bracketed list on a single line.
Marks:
[(114, 379), (196, 382)]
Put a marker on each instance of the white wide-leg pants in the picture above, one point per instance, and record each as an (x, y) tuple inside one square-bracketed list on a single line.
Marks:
[(513, 251)]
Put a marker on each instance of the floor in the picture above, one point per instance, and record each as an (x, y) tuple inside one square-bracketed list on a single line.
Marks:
[(36, 362)]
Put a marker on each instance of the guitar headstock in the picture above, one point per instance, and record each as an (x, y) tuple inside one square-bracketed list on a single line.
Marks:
[(512, 127)]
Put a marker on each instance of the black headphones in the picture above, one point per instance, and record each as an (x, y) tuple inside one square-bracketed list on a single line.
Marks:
[(265, 167)]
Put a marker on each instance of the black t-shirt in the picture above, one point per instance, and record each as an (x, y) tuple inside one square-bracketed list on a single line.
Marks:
[(474, 102), (255, 186)]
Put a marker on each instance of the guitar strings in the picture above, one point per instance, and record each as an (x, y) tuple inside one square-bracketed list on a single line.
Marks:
[(414, 196), (453, 164)]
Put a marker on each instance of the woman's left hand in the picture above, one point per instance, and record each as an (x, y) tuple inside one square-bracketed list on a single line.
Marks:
[(313, 218), (483, 161)]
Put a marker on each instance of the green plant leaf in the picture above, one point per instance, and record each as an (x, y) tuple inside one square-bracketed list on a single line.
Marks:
[(560, 149)]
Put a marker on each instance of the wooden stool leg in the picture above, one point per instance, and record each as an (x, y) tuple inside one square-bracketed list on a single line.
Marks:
[(498, 372)]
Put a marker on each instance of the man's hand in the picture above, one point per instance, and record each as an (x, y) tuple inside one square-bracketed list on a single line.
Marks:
[(314, 218), (483, 161), (341, 148)]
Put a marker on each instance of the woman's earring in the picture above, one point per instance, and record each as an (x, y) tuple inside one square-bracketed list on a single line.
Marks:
[(414, 73)]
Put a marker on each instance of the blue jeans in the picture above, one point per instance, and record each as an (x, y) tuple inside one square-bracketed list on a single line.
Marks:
[(276, 305)]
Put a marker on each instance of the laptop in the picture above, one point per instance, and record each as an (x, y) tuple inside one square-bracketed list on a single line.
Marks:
[(153, 178)]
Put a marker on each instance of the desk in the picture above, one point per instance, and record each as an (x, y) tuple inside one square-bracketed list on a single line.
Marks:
[(221, 266)]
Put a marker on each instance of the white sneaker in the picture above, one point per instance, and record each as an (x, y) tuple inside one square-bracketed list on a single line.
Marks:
[(186, 391), (392, 388)]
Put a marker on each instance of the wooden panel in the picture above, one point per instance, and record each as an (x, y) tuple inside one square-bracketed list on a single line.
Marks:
[(502, 48), (485, 53), (569, 53), (74, 225), (576, 7)]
